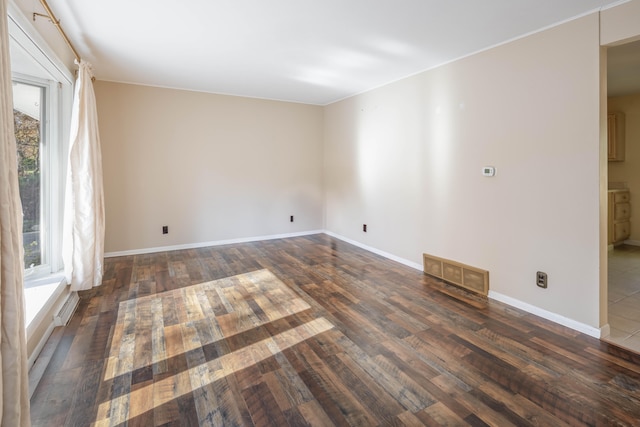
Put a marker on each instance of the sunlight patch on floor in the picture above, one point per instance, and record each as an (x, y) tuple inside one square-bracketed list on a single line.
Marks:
[(118, 410), (152, 330)]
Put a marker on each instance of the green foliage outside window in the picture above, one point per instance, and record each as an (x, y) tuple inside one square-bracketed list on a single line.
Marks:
[(27, 131)]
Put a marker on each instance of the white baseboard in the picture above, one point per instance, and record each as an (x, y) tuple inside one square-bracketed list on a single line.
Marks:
[(206, 244), (554, 317), (632, 242), (376, 251)]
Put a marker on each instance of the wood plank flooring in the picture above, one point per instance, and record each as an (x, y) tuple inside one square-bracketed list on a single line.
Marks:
[(314, 331)]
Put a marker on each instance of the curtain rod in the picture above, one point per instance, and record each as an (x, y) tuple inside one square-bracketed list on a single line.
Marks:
[(56, 22)]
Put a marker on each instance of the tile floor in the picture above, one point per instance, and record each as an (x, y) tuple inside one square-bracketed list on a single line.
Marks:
[(624, 296)]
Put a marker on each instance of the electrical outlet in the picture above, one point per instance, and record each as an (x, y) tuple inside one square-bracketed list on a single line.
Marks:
[(541, 279), (165, 229), (364, 227)]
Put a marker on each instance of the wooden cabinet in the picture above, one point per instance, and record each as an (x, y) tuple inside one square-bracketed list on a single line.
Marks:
[(619, 226), (615, 136)]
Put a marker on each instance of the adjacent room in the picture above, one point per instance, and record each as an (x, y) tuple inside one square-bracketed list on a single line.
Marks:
[(623, 124), (320, 213)]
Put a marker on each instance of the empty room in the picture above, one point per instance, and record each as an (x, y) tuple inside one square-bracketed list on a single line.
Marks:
[(305, 213)]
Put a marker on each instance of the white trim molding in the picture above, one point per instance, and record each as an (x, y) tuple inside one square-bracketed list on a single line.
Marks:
[(376, 251), (24, 33), (605, 331), (206, 244), (554, 317)]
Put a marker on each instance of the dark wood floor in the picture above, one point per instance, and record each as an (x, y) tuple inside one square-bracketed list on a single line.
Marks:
[(314, 331)]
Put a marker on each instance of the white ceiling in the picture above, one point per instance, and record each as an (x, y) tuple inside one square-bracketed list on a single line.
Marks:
[(309, 51)]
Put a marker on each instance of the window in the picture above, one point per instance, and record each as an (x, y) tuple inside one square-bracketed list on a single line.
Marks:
[(30, 121), (42, 93)]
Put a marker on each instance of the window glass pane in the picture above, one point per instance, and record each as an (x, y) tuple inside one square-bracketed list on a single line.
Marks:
[(27, 114)]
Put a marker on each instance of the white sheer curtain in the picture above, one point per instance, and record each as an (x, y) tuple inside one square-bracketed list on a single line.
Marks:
[(14, 382), (83, 235)]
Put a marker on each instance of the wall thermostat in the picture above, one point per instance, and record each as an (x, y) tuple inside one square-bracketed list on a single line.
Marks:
[(488, 171)]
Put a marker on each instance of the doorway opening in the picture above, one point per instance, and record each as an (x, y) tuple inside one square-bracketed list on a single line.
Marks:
[(623, 179)]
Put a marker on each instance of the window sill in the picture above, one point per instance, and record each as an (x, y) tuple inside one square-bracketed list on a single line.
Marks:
[(39, 294)]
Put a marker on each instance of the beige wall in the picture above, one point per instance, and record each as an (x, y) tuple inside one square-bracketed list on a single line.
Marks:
[(211, 167), (406, 159), (629, 170), (620, 24)]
